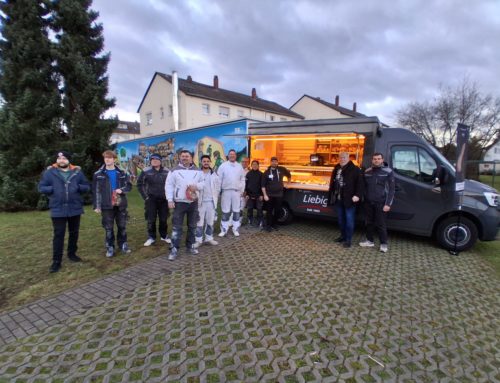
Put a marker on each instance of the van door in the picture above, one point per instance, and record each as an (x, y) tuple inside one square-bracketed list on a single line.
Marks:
[(418, 201)]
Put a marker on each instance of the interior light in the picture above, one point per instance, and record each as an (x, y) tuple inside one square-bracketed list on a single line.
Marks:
[(316, 138)]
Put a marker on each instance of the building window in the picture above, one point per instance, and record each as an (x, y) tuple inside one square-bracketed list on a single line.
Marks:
[(271, 118), (282, 119), (162, 113), (240, 113), (497, 150), (149, 119), (170, 110), (205, 109), (224, 111)]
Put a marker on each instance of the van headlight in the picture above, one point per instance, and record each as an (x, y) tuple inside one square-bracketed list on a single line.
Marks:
[(492, 198)]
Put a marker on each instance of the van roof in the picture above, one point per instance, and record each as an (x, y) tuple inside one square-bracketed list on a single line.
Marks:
[(363, 125)]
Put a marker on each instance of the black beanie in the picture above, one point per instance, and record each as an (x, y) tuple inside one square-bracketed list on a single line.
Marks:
[(63, 153)]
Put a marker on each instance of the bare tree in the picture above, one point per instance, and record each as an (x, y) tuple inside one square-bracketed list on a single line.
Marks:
[(436, 120)]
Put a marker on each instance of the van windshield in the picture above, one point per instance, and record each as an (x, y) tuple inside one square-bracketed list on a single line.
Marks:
[(442, 158)]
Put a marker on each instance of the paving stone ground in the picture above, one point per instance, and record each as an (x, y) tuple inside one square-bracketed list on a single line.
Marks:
[(289, 306)]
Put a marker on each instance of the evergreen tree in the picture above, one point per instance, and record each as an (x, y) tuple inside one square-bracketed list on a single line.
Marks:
[(30, 115), (83, 67)]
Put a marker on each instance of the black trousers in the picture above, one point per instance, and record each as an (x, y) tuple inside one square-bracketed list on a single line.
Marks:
[(375, 218), (273, 209), (59, 225), (109, 217), (156, 208), (254, 203)]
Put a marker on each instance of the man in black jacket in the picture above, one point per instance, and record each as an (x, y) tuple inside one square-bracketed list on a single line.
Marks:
[(272, 189), (379, 196), (109, 187), (64, 184), (151, 185), (346, 189), (253, 194)]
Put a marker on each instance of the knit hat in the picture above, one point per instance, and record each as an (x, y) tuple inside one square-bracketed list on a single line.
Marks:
[(155, 156), (63, 153)]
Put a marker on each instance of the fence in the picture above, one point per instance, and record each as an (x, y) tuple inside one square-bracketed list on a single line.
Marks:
[(488, 172)]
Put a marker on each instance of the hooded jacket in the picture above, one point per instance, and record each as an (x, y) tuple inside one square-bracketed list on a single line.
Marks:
[(214, 180), (232, 176), (178, 180), (101, 188), (151, 183), (65, 196)]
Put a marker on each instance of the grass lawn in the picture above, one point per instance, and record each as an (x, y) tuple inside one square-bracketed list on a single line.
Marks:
[(488, 180), (26, 253)]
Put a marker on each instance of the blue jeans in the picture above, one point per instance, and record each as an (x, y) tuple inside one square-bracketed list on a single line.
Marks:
[(346, 216)]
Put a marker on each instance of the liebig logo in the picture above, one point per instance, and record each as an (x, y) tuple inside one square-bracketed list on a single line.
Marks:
[(315, 199)]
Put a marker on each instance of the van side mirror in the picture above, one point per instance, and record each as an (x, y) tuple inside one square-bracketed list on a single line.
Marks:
[(440, 175)]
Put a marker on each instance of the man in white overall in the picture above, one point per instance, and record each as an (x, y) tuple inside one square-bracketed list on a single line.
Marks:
[(207, 203), (232, 178)]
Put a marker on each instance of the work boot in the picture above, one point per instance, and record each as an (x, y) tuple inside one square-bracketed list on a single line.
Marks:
[(173, 254), (366, 243), (167, 240), (110, 251), (149, 242), (56, 266), (125, 249), (74, 258)]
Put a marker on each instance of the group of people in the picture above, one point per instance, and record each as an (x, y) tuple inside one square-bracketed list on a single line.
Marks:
[(193, 194)]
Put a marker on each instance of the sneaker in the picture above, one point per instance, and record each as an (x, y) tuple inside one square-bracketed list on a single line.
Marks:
[(275, 227), (193, 251), (110, 252), (173, 254), (167, 240), (149, 242), (196, 245), (366, 243), (74, 258), (222, 233), (236, 233), (55, 267), (268, 229), (212, 242), (346, 244), (339, 240), (384, 247), (125, 249)]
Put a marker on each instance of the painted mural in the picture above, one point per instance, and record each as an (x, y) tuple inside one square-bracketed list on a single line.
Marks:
[(214, 140)]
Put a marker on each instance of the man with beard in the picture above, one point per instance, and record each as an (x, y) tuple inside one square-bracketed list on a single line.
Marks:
[(64, 184), (182, 189), (207, 203)]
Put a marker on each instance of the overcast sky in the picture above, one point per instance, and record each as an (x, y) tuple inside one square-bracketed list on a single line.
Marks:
[(380, 54)]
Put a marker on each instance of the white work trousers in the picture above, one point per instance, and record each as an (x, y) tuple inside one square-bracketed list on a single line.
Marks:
[(230, 205), (206, 220)]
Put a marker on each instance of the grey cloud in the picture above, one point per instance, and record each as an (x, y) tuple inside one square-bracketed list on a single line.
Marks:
[(365, 51)]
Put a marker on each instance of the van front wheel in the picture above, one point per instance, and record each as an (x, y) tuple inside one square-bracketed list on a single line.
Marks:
[(449, 231), (286, 215)]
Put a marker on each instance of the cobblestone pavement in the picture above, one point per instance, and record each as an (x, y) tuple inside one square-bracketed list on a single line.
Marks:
[(287, 306)]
